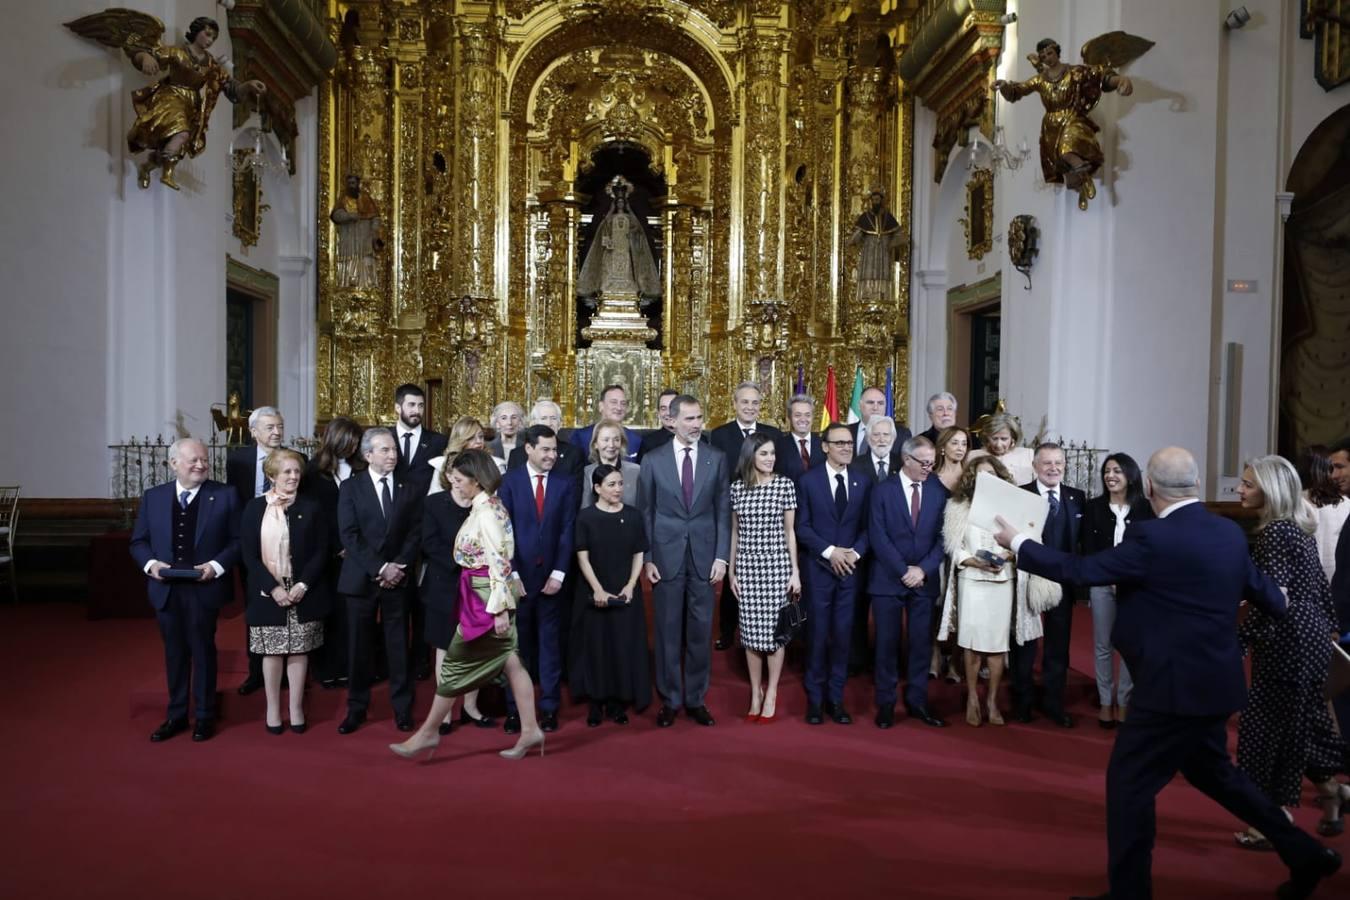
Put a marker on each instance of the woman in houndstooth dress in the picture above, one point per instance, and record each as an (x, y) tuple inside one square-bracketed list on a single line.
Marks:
[(763, 564)]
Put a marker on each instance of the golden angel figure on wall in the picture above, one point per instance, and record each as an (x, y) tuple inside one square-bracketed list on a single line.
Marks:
[(1070, 151), (173, 113)]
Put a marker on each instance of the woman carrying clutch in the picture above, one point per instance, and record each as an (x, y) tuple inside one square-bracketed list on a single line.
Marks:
[(284, 544), (485, 640)]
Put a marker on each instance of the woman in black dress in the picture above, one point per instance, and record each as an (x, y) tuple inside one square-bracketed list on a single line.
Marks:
[(284, 545), (338, 457), (1286, 733), (443, 513), (608, 663)]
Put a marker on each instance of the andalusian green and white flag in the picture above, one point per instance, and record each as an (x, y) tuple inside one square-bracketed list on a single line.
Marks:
[(855, 405)]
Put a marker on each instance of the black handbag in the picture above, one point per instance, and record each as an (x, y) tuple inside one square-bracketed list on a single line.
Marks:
[(791, 620)]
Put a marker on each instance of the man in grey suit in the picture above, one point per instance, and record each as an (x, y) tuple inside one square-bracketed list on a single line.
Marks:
[(683, 497)]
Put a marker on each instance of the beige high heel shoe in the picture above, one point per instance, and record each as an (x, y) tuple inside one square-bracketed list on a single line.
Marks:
[(409, 748), (524, 746)]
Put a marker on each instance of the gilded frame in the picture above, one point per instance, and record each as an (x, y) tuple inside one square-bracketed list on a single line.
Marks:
[(979, 220), (248, 205)]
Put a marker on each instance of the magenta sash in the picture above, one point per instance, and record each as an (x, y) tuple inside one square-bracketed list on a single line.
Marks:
[(474, 619)]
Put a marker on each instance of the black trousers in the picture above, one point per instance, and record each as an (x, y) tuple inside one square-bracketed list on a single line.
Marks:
[(189, 631), (392, 607), (1058, 624), (1150, 749)]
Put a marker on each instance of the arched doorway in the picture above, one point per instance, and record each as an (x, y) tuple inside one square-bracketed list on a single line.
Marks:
[(1314, 353)]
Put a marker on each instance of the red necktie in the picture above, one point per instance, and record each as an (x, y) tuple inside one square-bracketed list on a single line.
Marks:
[(914, 503), (539, 496), (806, 454)]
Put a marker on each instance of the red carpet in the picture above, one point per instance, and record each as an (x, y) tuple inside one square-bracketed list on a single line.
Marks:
[(92, 809)]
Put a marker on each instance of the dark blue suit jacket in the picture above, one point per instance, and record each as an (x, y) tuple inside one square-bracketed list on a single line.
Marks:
[(370, 539), (1179, 581), (789, 454), (819, 526), (582, 438), (217, 539), (897, 544), (541, 546)]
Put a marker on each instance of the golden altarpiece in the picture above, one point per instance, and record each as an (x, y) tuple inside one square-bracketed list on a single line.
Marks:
[(482, 132)]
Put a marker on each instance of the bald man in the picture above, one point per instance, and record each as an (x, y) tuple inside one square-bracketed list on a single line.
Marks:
[(1180, 579)]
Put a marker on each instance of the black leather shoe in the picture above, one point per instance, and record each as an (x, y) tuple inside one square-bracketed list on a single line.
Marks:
[(595, 715), (1062, 719), (203, 730), (1024, 716), (353, 721), (511, 725), (666, 716), (838, 714), (700, 715), (299, 727), (168, 729), (1304, 878), (885, 717), (548, 722), (481, 722), (404, 723), (923, 715), (722, 644), (275, 729), (250, 686), (813, 716)]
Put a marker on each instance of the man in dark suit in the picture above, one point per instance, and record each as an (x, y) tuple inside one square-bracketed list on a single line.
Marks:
[(244, 473), (941, 414), (1179, 581), (878, 461), (543, 506), (571, 461), (873, 402), (799, 449), (1340, 582), (1062, 532), (687, 509), (832, 504), (613, 404), (728, 438), (416, 445), (380, 521), (904, 527), (188, 523), (666, 430)]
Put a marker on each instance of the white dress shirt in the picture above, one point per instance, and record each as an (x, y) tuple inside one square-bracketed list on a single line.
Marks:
[(412, 444), (258, 476)]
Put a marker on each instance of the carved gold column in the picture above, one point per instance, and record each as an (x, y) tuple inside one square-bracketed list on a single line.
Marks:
[(764, 314), (868, 320), (554, 223)]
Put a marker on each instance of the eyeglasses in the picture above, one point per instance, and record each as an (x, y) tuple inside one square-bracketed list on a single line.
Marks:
[(844, 443), (923, 463)]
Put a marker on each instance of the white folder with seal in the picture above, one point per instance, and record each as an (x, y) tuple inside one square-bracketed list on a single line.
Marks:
[(1024, 510)]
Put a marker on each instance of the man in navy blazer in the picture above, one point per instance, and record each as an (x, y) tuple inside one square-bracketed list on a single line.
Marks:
[(1063, 531), (188, 523), (832, 537), (905, 533), (799, 449), (1180, 579), (543, 509), (613, 404), (380, 524)]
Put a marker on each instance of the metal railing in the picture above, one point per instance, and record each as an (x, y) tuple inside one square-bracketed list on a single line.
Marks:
[(1082, 466)]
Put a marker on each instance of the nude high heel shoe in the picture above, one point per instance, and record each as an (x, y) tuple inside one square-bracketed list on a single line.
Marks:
[(410, 748), (524, 746)]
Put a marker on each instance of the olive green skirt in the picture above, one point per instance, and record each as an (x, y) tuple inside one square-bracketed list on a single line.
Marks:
[(471, 664)]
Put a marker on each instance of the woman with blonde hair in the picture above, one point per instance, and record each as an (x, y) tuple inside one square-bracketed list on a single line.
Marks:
[(988, 602), (1286, 732), (609, 443), (1002, 437)]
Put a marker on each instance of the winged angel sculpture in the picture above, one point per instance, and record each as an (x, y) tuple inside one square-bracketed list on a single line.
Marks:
[(172, 114), (1070, 152)]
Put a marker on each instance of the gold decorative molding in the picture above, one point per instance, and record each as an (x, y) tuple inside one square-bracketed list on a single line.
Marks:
[(247, 207), (978, 222)]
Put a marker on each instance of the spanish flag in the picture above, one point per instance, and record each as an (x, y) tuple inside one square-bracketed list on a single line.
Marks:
[(829, 410)]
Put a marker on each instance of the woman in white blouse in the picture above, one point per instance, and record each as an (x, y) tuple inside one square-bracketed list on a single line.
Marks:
[(1104, 521), (1329, 508), (1002, 436)]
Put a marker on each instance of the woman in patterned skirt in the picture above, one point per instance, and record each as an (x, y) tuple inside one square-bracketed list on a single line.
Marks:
[(485, 640), (763, 565), (1286, 733), (284, 543)]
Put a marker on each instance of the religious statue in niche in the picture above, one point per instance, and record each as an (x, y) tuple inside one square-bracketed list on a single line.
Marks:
[(360, 238), (1070, 151), (172, 114), (619, 261), (881, 238)]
